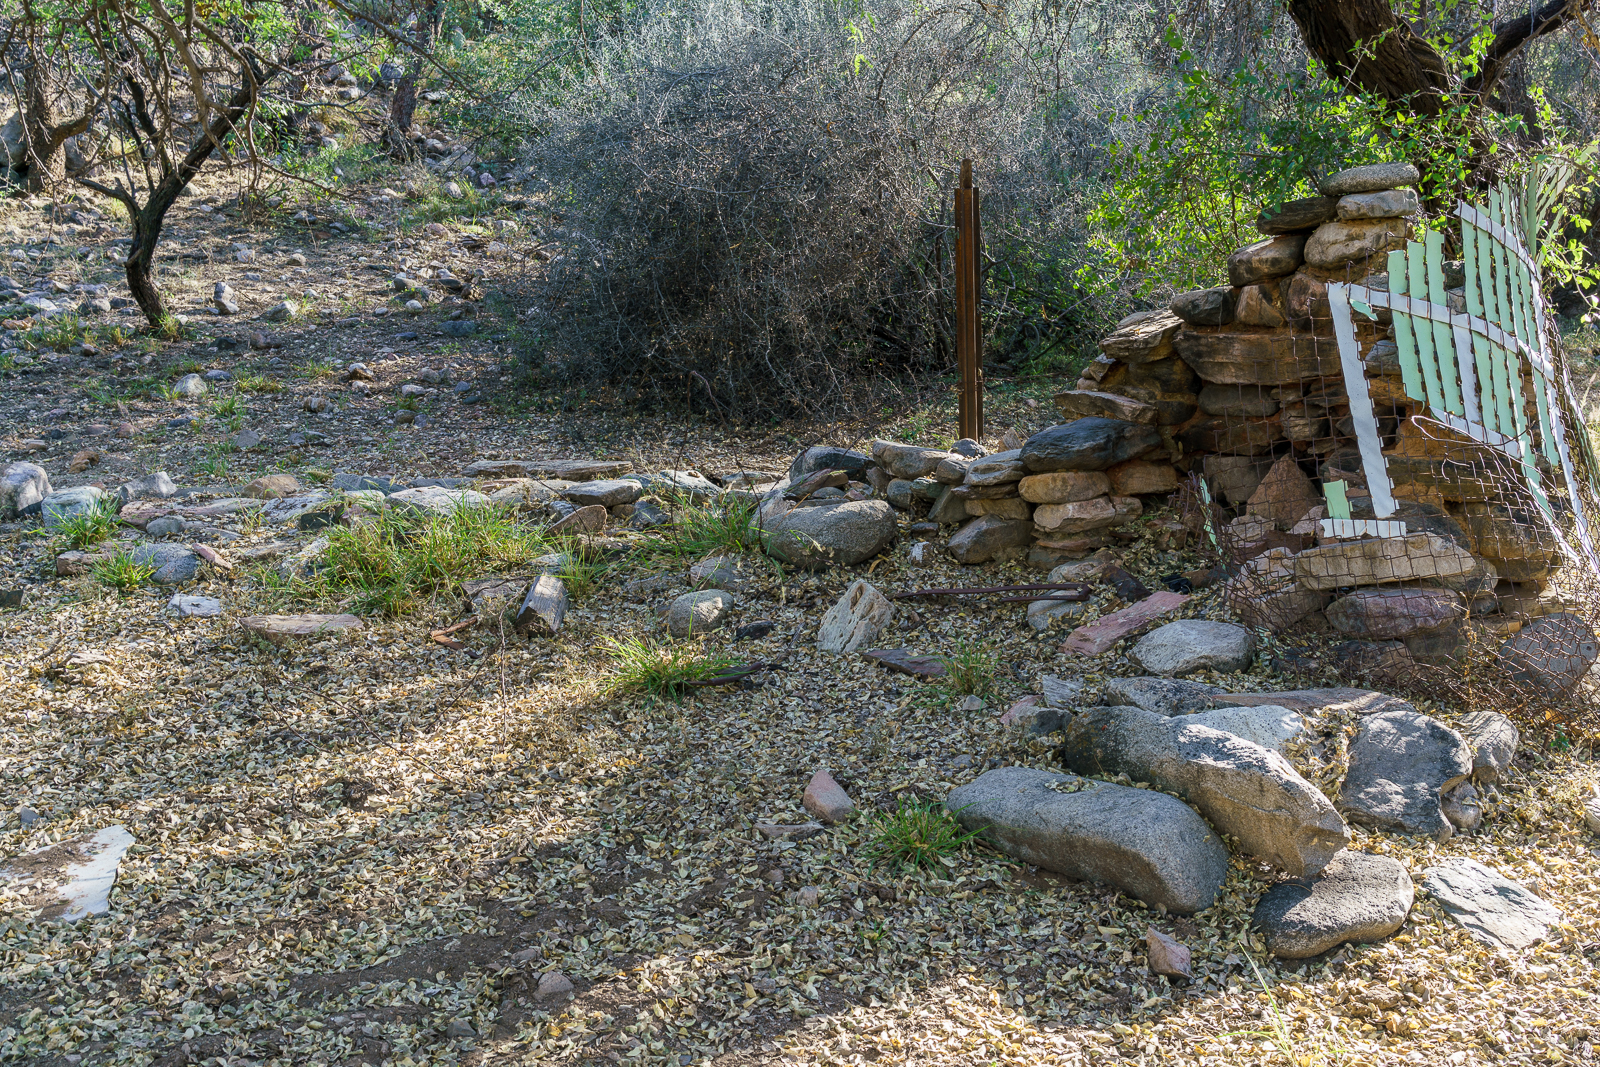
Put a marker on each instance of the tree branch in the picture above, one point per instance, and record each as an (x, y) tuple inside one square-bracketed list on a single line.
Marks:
[(1511, 34)]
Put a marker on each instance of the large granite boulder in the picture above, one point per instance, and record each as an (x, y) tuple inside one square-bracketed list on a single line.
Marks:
[(826, 535), (1148, 844), (1244, 789)]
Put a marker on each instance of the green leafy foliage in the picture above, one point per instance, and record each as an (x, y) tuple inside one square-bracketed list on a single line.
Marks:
[(918, 833), (90, 526), (121, 571), (639, 665)]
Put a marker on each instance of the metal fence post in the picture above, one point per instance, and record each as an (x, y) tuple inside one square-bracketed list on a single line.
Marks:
[(969, 330)]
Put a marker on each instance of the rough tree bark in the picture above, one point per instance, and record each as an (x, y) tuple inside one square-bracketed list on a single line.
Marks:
[(148, 218), (45, 129), (1364, 44), (403, 105)]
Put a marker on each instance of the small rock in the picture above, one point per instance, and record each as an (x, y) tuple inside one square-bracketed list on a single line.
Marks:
[(460, 1030), (157, 486), (296, 259), (272, 487), (1358, 897), (826, 799), (1190, 645), (1164, 696), (1492, 908), (699, 612), (317, 404), (988, 536), (459, 328), (66, 504), (809, 897), (165, 526), (190, 386), (972, 702), (172, 563), (224, 298), (1166, 955), (586, 520), (22, 486), (245, 440), (544, 606), (1461, 806), (552, 984), (856, 621), (773, 831), (283, 630), (283, 311), (607, 493), (751, 631), (194, 606), (1551, 654)]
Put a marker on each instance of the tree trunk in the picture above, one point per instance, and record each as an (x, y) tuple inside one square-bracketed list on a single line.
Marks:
[(403, 105), (1364, 46), (140, 264), (45, 131)]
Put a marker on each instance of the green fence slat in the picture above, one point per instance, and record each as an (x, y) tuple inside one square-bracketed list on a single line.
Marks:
[(1443, 343), (1547, 437), (1417, 270), (1483, 358), (1410, 371), (1502, 271), (1513, 416), (1338, 502)]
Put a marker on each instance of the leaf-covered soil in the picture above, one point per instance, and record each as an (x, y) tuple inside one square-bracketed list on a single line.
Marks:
[(347, 845)]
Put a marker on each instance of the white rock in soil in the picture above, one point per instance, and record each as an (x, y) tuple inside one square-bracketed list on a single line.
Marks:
[(856, 621)]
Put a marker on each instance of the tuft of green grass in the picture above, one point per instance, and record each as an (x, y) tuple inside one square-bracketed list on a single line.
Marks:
[(214, 465), (581, 574), (89, 527), (969, 670), (642, 666), (229, 407), (315, 370), (919, 833), (122, 572), (260, 383), (393, 564), (718, 527)]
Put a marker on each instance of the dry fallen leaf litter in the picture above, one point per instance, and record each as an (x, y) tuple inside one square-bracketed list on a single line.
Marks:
[(372, 848)]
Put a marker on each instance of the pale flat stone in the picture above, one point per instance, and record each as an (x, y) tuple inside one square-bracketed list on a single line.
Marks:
[(1084, 515), (1492, 908), (285, 629), (1064, 487), (1380, 560)]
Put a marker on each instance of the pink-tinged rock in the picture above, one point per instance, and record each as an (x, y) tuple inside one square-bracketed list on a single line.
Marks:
[(1385, 613), (1095, 638), (212, 556), (283, 629), (591, 519), (1024, 710), (1166, 955), (827, 800)]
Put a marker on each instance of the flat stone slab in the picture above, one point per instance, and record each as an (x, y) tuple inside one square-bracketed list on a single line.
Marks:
[(1309, 701), (1492, 908), (1095, 638), (437, 500), (194, 606), (1400, 764), (1358, 897), (285, 629), (1164, 696), (907, 662), (1150, 845), (1190, 645), (576, 470), (71, 879)]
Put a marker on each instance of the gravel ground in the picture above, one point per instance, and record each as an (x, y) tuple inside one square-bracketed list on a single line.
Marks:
[(369, 848)]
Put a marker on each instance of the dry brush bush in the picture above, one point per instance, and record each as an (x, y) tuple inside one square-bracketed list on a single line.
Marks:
[(753, 201)]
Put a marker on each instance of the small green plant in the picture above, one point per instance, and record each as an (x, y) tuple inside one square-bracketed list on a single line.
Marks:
[(969, 670), (229, 407), (642, 666), (122, 572), (406, 403), (88, 527), (723, 526), (260, 383), (315, 370), (392, 564), (918, 833), (169, 328), (215, 464), (581, 573)]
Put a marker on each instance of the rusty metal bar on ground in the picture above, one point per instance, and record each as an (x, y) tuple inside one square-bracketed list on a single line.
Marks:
[(1074, 591), (969, 330)]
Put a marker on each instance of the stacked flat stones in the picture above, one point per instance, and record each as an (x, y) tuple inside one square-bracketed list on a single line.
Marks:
[(1244, 383), (1057, 497)]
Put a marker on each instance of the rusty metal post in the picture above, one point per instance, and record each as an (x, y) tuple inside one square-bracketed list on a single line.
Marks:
[(969, 329)]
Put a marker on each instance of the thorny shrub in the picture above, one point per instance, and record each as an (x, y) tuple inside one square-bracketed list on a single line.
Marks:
[(753, 202)]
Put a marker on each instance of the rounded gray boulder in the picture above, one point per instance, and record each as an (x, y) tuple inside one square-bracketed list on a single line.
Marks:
[(1358, 897), (841, 534), (1190, 645)]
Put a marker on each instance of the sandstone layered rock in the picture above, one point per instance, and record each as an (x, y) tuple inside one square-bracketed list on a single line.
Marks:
[(1371, 178), (1284, 495), (1395, 613), (1264, 260), (1083, 403), (1381, 560), (1206, 307), (1337, 243), (856, 620), (1142, 337), (1251, 357), (1063, 487), (1138, 477), (1086, 515), (1297, 215), (1150, 845), (1238, 401), (1384, 204)]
